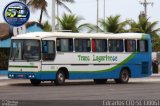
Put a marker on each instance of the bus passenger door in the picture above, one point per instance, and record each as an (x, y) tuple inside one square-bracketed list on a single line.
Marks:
[(48, 56)]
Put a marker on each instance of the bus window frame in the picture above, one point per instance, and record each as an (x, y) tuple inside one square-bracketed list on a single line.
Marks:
[(60, 45), (146, 46), (126, 45), (54, 50), (106, 42), (116, 51), (89, 39)]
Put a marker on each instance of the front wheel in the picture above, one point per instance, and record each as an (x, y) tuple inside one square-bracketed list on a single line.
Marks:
[(124, 77), (100, 81), (60, 78), (35, 82)]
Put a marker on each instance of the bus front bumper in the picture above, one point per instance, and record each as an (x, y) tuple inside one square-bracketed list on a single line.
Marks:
[(31, 75)]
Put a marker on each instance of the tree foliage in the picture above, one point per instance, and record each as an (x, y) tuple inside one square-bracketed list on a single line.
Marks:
[(145, 26), (112, 24), (47, 27), (42, 6), (71, 23)]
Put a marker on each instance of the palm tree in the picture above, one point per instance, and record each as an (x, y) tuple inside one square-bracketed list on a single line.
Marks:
[(144, 26), (70, 23), (39, 4), (42, 5), (111, 24), (61, 3), (47, 27)]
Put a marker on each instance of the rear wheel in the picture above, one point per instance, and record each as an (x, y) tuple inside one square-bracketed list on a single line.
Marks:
[(60, 78), (124, 77), (100, 81), (35, 82)]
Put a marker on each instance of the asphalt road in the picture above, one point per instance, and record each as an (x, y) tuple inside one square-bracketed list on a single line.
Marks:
[(84, 90)]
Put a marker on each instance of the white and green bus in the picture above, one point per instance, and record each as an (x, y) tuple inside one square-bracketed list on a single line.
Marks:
[(57, 56)]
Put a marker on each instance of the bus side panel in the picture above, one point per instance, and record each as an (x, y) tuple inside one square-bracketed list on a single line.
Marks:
[(92, 75), (139, 66), (143, 65)]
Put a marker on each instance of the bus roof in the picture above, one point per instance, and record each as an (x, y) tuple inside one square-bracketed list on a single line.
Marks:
[(41, 35)]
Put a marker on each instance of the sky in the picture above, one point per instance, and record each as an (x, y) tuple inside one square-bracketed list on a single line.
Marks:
[(127, 9)]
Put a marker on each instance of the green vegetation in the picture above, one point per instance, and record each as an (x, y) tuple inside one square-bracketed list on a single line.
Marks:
[(71, 23), (145, 26), (112, 24), (47, 27)]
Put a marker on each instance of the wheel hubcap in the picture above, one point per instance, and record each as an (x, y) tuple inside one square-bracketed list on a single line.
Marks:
[(61, 77), (125, 76)]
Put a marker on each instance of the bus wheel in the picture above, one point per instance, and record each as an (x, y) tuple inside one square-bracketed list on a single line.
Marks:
[(124, 77), (60, 78), (35, 82), (100, 81)]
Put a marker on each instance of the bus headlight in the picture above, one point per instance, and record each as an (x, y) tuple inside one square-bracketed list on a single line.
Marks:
[(31, 76), (11, 75)]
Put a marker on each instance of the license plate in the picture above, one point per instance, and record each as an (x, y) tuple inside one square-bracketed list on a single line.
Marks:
[(21, 76)]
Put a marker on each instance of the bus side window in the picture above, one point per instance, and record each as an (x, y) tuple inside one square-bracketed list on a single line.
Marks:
[(64, 44), (99, 45), (142, 45), (82, 45), (48, 50), (115, 45), (93, 45), (130, 45)]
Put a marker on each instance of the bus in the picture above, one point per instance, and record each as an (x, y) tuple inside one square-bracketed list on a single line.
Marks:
[(57, 56)]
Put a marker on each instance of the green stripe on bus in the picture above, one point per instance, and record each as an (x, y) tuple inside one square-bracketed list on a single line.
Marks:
[(13, 66)]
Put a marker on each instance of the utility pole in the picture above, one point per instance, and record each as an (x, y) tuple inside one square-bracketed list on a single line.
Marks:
[(104, 9), (97, 13), (104, 14), (58, 16), (53, 15), (145, 4)]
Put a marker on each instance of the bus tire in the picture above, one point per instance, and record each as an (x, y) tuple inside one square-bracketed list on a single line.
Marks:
[(60, 78), (124, 76), (100, 81), (35, 82)]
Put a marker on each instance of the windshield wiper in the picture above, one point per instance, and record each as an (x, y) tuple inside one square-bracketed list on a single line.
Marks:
[(26, 56)]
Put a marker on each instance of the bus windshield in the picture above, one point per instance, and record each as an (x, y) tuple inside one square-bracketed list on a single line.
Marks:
[(25, 50)]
